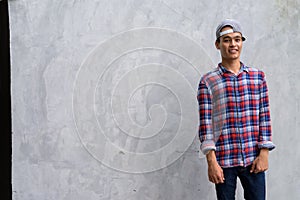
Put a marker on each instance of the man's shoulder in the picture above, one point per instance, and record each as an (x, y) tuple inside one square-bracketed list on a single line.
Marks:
[(210, 75), (255, 71)]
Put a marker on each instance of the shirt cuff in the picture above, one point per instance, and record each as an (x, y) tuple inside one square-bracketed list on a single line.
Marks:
[(266, 145), (207, 145)]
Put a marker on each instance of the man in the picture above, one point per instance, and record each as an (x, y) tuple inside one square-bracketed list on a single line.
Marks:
[(235, 126)]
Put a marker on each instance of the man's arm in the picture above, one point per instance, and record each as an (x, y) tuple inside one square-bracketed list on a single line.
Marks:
[(205, 119), (215, 172), (265, 144), (265, 132)]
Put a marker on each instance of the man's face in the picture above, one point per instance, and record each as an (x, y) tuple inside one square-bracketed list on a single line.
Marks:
[(230, 45)]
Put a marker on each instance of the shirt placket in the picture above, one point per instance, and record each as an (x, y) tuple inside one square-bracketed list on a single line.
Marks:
[(238, 121)]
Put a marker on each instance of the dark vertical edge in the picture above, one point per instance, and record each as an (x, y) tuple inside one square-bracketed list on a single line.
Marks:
[(6, 125)]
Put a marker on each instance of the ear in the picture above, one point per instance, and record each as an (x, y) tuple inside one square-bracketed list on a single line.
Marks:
[(217, 44)]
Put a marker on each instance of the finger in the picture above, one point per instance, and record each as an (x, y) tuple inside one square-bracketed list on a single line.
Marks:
[(220, 179), (216, 179), (253, 167), (258, 170), (223, 178), (213, 179)]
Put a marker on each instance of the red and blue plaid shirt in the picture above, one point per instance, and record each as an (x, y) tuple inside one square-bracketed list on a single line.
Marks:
[(234, 115)]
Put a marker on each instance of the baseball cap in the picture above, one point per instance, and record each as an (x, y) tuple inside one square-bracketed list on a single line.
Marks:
[(235, 25)]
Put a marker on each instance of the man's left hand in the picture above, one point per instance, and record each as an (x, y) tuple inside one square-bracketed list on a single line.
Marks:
[(261, 163)]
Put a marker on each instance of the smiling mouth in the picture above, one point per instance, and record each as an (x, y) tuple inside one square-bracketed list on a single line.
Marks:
[(233, 51)]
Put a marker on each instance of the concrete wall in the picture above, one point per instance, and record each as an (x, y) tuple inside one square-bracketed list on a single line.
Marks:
[(104, 95)]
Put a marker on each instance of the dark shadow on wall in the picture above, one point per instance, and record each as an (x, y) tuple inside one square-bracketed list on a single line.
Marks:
[(6, 130)]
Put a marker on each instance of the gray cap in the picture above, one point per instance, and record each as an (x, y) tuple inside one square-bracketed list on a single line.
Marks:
[(235, 25)]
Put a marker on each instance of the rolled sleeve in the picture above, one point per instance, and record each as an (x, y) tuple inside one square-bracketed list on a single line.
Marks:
[(265, 131), (205, 119), (266, 145), (207, 145)]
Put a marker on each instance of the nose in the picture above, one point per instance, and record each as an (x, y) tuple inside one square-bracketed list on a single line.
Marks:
[(232, 43)]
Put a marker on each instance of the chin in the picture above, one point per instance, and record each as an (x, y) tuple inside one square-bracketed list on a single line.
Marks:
[(234, 56)]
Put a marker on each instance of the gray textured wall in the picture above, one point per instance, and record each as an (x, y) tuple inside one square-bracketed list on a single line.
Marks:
[(104, 95)]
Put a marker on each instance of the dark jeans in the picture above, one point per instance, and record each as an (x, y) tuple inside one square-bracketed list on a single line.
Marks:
[(253, 184)]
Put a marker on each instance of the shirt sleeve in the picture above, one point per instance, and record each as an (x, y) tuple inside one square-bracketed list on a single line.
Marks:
[(205, 119), (265, 132)]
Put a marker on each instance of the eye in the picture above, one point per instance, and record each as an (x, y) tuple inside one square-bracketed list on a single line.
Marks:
[(238, 40)]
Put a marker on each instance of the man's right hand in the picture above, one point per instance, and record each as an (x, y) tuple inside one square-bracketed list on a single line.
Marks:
[(215, 172)]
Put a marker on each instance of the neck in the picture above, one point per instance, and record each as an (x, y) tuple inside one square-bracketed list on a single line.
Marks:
[(232, 65)]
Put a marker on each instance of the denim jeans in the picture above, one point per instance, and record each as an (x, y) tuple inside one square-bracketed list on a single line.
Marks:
[(253, 184)]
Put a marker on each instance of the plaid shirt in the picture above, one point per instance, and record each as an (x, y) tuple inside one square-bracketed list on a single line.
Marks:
[(234, 115)]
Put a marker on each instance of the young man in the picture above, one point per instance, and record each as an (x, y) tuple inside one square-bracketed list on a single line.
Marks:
[(235, 126)]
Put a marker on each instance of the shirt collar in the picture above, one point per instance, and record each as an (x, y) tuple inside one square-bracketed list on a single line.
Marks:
[(223, 70)]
